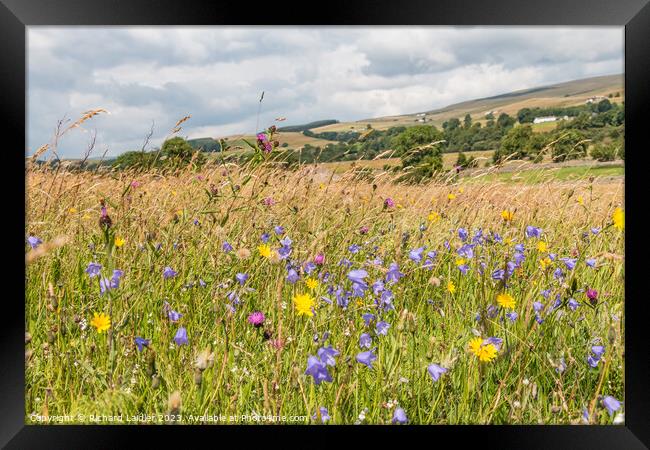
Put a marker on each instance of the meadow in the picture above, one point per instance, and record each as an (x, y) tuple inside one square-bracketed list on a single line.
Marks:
[(247, 294)]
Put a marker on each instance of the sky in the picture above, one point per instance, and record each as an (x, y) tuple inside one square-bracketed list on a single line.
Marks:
[(146, 76)]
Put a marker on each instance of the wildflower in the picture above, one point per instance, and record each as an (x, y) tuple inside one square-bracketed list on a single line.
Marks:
[(93, 269), (486, 351), (595, 230), (318, 370), (382, 327), (591, 262), (174, 316), (466, 251), (367, 318), (319, 259), (357, 276), (268, 201), (416, 255), (498, 274), (292, 276), (101, 322), (399, 416), (451, 196), (227, 247), (323, 413), (545, 262), (435, 371), (533, 231), (393, 275), (512, 316), (542, 246), (33, 241), (141, 342), (181, 336), (619, 219), (242, 277), (389, 203), (592, 295), (505, 300), (451, 287), (462, 234), (327, 354), (119, 241), (570, 263), (363, 230), (168, 272), (105, 284), (573, 304), (365, 340), (304, 304), (433, 216), (507, 215), (264, 250), (611, 404), (311, 283), (366, 358), (256, 319)]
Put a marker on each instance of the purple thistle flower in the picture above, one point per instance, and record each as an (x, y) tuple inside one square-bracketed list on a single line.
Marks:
[(93, 269), (319, 259), (318, 370), (389, 203), (327, 354), (242, 277), (181, 336), (365, 341), (256, 319), (382, 328), (592, 295), (227, 247), (141, 342), (366, 358), (33, 241), (611, 404), (168, 272), (435, 371), (400, 416)]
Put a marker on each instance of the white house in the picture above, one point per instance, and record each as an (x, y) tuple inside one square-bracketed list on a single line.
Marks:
[(544, 119)]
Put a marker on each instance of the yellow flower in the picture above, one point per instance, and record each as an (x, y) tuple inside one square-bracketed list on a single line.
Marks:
[(265, 250), (311, 283), (72, 210), (619, 218), (508, 241), (507, 215), (451, 196), (433, 216), (541, 246), (119, 241), (460, 261), (451, 287), (461, 190), (86, 217), (304, 304), (101, 321), (506, 300), (485, 352), (321, 186), (544, 262), (580, 200)]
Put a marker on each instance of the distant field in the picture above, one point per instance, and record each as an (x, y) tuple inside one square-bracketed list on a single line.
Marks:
[(541, 175)]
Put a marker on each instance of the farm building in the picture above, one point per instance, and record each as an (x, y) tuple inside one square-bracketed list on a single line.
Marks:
[(544, 119)]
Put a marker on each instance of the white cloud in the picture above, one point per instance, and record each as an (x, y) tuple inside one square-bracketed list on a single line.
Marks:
[(144, 74)]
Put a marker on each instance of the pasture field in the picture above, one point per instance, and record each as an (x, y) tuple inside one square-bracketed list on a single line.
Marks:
[(248, 294)]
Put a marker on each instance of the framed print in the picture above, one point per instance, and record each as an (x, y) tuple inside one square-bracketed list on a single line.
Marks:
[(410, 216)]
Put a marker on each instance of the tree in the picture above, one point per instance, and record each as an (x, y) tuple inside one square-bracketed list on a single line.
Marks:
[(467, 121), (505, 121), (179, 151), (604, 105), (515, 143), (570, 144), (133, 160), (461, 160), (525, 115), (420, 150), (603, 152), (451, 124)]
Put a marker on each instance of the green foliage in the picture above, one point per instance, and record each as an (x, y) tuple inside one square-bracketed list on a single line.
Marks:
[(569, 144), (134, 160), (604, 152), (179, 152), (516, 144), (205, 144)]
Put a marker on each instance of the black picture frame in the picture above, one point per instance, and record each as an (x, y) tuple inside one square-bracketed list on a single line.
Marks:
[(634, 15)]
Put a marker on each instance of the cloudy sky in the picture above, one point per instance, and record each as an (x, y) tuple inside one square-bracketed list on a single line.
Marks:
[(145, 75)]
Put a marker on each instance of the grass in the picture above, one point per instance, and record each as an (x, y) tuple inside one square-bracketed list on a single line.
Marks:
[(231, 369), (542, 175)]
